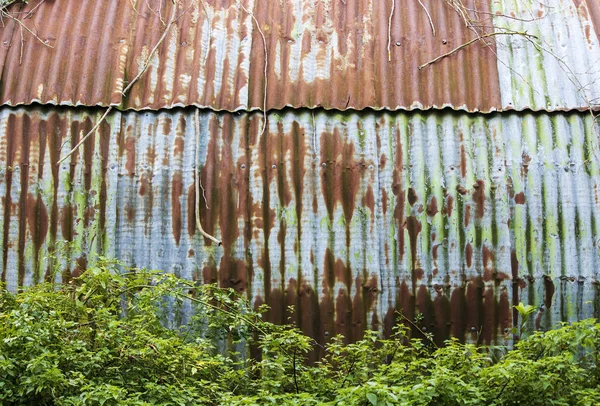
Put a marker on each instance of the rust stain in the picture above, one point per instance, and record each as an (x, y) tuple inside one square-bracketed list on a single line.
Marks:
[(526, 160), (130, 213), (469, 255), (479, 197), (443, 316), (475, 308), (368, 200), (458, 313), (399, 193), (412, 196), (488, 264), (341, 176), (432, 208), (414, 227), (467, 216), (176, 193), (520, 198), (130, 155), (449, 205)]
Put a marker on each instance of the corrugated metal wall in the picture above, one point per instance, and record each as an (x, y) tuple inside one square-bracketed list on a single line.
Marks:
[(347, 216)]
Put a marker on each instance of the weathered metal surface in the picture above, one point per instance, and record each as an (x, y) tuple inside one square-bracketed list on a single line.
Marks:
[(320, 53), (560, 70), (346, 216)]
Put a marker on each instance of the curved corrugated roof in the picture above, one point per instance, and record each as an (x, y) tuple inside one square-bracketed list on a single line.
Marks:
[(329, 54), (320, 53)]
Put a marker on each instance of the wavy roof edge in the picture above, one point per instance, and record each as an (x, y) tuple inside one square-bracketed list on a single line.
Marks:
[(445, 108)]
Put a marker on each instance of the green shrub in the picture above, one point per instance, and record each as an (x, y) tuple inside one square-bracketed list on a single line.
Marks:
[(107, 338)]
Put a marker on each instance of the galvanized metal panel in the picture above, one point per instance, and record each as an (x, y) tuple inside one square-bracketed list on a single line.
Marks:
[(346, 216), (560, 70), (320, 53)]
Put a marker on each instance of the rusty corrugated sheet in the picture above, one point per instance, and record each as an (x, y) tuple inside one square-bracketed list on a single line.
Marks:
[(321, 53), (347, 216)]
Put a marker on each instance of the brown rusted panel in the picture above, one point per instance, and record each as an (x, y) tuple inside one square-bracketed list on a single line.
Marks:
[(347, 217), (79, 59), (318, 54)]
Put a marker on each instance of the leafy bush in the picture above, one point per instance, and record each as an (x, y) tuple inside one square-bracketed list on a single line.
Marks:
[(106, 338)]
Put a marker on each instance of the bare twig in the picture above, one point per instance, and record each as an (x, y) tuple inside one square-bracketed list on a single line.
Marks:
[(197, 182), (124, 92), (389, 42), (158, 44), (462, 11), (428, 16), (5, 14), (133, 7), (466, 44), (85, 137), (418, 329), (262, 34), (22, 41), (30, 12)]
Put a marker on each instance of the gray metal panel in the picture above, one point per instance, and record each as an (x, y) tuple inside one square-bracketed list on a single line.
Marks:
[(560, 70), (347, 216)]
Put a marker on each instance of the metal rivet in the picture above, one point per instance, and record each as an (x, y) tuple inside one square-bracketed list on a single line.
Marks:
[(473, 329), (273, 166), (398, 43), (444, 42), (323, 164)]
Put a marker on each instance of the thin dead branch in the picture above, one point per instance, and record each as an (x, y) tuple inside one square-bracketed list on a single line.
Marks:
[(466, 44), (428, 16), (133, 7), (197, 181), (462, 11), (8, 15), (30, 12), (124, 92), (22, 42), (262, 34), (389, 39), (151, 55), (85, 137)]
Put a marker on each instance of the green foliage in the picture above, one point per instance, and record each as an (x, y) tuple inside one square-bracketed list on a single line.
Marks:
[(6, 3), (108, 338)]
